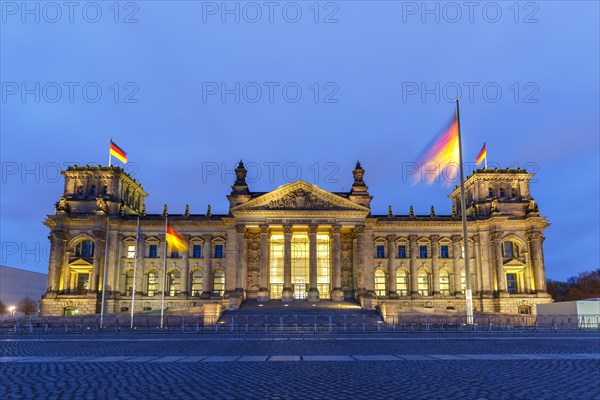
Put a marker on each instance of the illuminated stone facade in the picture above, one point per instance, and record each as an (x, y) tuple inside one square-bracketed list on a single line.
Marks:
[(296, 243)]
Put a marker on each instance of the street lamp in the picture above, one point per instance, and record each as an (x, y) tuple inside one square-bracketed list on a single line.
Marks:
[(11, 310)]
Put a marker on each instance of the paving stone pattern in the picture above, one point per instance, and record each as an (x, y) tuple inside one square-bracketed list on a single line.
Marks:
[(544, 368)]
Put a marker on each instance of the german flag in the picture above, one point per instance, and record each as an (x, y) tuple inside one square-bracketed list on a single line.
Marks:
[(175, 240), (482, 155), (441, 155), (118, 153)]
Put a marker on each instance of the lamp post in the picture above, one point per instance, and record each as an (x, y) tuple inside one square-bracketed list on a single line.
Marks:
[(11, 310)]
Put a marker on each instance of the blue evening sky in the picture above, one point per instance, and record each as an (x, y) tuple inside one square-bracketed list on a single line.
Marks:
[(339, 82)]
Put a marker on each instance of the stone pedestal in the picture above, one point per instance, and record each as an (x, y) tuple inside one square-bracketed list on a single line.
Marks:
[(367, 302), (313, 295), (287, 295), (234, 302), (262, 296), (337, 295)]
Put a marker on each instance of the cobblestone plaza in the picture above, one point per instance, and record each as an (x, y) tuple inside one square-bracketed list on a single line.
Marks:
[(417, 366)]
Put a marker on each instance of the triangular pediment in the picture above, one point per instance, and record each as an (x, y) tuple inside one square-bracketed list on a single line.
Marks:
[(514, 263), (301, 196), (80, 263)]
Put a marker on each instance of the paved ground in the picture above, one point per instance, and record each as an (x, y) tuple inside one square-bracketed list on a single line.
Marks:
[(341, 367)]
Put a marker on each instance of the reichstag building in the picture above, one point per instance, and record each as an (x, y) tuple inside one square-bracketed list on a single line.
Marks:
[(296, 243)]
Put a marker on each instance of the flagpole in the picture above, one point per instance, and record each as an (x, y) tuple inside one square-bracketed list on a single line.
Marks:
[(137, 242), (109, 156), (485, 158), (463, 208), (104, 274), (164, 283)]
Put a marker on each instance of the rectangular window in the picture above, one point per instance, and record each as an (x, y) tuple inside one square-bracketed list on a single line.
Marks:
[(444, 252), (153, 251), (508, 250), (197, 251), (380, 251), (174, 254), (402, 251), (218, 251), (131, 251), (511, 283), (422, 251)]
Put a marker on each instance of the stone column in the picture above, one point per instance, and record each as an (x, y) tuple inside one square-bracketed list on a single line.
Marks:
[(114, 261), (57, 252), (288, 294), (360, 259), (51, 263), (98, 249), (240, 259), (162, 271), (527, 272), (456, 253), (313, 291), (478, 263), (500, 275), (369, 255), (141, 254), (535, 244), (414, 282), (435, 269), (392, 292), (337, 294), (185, 273), (207, 278), (263, 291), (65, 271)]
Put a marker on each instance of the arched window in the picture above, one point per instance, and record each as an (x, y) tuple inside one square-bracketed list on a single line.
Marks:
[(511, 249), (93, 191), (380, 286), (401, 283), (197, 282), (219, 283), (173, 283), (85, 248), (423, 282), (444, 283), (513, 192), (129, 282), (152, 280), (490, 192), (502, 192), (463, 282)]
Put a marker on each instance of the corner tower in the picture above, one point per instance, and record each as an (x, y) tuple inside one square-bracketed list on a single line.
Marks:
[(497, 192), (108, 190)]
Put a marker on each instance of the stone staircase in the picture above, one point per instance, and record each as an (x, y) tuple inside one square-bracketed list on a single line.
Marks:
[(299, 316)]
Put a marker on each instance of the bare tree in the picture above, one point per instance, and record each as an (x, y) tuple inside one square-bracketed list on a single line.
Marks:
[(3, 308), (28, 306)]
